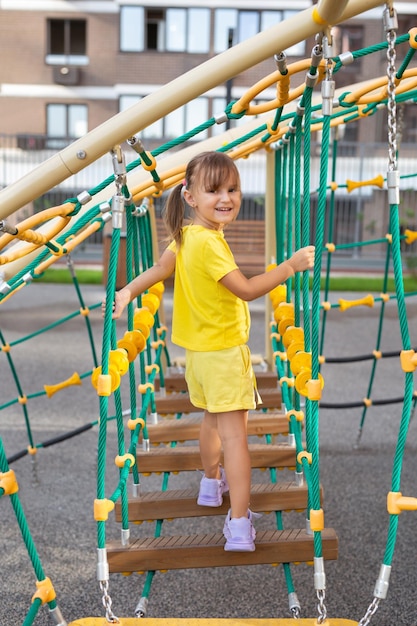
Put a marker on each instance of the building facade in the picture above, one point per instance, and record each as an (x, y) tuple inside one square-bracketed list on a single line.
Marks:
[(67, 66)]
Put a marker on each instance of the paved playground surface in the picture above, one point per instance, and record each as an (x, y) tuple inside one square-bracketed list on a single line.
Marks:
[(57, 488)]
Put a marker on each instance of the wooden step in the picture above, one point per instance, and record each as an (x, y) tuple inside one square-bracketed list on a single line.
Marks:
[(180, 402), (188, 428), (174, 380), (206, 550), (179, 503), (187, 458)]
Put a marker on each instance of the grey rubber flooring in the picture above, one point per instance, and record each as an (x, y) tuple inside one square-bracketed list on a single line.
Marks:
[(58, 486)]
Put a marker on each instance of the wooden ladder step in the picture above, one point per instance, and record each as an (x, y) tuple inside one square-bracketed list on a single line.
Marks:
[(206, 550), (174, 380), (187, 458), (179, 503), (188, 428), (180, 402)]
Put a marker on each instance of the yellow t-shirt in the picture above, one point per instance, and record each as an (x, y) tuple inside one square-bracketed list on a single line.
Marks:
[(206, 315)]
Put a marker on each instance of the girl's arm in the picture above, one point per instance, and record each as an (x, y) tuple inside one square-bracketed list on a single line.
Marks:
[(252, 288), (160, 271)]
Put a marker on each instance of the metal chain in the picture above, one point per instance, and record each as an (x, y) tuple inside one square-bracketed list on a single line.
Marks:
[(107, 602), (321, 607), (391, 105), (372, 609)]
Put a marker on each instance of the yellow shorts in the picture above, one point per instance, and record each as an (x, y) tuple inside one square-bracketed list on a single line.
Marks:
[(222, 380)]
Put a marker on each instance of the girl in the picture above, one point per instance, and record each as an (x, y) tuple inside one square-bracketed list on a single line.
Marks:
[(211, 321)]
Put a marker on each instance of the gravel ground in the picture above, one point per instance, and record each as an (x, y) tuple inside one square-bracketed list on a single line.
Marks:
[(57, 487)]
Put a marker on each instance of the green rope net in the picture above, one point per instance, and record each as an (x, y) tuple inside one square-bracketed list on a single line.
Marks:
[(299, 313)]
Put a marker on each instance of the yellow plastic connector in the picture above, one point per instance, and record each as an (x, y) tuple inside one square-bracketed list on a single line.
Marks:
[(143, 387), (132, 423), (6, 348), (410, 236), (151, 301), (156, 344), (384, 297), (316, 519), (102, 509), (413, 36), (314, 388), (304, 455), (366, 301), (408, 360), (154, 367), (286, 379), (8, 482), (377, 354), (330, 247), (84, 311), (72, 380), (32, 450), (299, 415), (396, 503), (23, 399), (120, 460), (46, 592)]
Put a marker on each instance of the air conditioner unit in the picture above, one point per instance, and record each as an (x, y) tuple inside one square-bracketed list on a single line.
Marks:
[(66, 75)]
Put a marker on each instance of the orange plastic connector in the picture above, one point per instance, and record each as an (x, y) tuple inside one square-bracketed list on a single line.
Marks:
[(8, 482), (396, 503), (316, 519), (46, 592), (120, 460), (102, 509), (408, 360)]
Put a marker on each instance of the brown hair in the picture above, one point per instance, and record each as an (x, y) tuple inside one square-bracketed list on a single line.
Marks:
[(208, 170)]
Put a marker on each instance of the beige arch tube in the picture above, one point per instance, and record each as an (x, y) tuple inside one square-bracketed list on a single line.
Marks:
[(197, 81)]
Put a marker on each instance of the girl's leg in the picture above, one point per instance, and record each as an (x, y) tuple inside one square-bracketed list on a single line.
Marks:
[(210, 445), (232, 430)]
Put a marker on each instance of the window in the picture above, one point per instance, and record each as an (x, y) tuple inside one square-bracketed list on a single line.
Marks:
[(164, 30), (67, 42), (65, 122), (131, 29), (246, 24), (175, 123)]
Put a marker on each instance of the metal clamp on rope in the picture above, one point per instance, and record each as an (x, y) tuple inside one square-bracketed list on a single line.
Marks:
[(393, 184), (316, 55), (9, 230), (119, 165), (382, 584), (142, 209), (118, 209), (135, 143), (346, 58), (389, 17), (281, 62), (327, 93)]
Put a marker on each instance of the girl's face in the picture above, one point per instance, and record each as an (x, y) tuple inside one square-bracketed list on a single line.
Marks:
[(217, 207)]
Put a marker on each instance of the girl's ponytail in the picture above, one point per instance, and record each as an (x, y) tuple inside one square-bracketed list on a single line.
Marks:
[(174, 213)]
